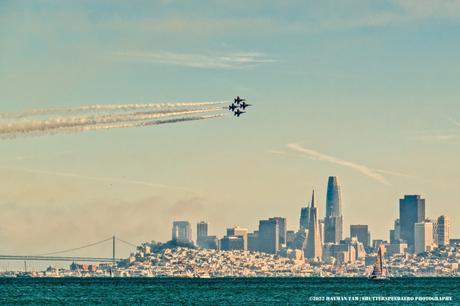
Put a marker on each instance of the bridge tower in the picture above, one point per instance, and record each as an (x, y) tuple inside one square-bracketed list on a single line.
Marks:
[(113, 248)]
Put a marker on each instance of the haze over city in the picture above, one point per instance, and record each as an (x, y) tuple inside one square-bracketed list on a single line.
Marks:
[(367, 92)]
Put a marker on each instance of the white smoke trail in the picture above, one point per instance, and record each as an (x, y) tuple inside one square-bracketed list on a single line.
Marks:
[(105, 107), (87, 128), (26, 127)]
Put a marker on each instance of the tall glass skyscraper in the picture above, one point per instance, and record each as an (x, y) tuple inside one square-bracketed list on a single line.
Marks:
[(411, 211), (268, 241), (333, 223), (182, 231), (443, 230), (201, 233)]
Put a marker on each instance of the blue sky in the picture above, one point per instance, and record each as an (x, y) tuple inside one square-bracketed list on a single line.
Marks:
[(345, 88)]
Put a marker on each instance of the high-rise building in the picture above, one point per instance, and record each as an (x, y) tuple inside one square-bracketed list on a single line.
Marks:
[(201, 233), (443, 230), (361, 232), (268, 240), (182, 231), (333, 223), (321, 230), (395, 235), (253, 241), (423, 236), (304, 217), (290, 238), (348, 250), (282, 223), (231, 243), (211, 242), (239, 232), (314, 248), (411, 211)]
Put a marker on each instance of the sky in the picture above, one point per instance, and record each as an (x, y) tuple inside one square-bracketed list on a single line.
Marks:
[(364, 90)]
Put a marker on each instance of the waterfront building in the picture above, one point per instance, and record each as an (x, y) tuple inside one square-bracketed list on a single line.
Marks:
[(443, 230), (314, 247), (423, 236), (333, 222), (411, 211), (268, 240), (361, 232), (182, 231)]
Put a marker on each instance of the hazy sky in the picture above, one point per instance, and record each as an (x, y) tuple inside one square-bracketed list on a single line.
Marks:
[(365, 90)]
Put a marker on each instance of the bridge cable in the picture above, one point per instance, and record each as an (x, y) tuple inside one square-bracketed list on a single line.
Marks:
[(129, 243), (75, 249)]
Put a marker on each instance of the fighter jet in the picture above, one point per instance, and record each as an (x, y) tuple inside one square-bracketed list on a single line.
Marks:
[(238, 113), (237, 100), (232, 107), (243, 105)]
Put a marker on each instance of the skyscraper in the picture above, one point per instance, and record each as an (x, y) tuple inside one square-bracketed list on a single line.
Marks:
[(268, 240), (232, 243), (395, 235), (282, 223), (423, 236), (239, 232), (443, 230), (201, 233), (182, 231), (411, 211), (314, 247), (304, 217), (361, 232), (333, 223)]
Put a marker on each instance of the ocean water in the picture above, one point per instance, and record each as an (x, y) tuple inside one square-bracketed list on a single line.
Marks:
[(229, 291)]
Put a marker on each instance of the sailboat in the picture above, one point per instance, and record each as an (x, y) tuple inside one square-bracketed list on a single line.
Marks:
[(379, 273)]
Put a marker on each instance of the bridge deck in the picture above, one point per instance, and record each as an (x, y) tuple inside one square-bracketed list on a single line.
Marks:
[(58, 258)]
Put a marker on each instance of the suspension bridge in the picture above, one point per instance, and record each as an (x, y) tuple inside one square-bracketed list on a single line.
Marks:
[(52, 256)]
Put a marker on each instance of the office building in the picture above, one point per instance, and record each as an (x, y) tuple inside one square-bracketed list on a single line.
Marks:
[(201, 233), (423, 236), (333, 222), (411, 211), (239, 232), (361, 232), (268, 240), (282, 223), (253, 239), (443, 230), (314, 247), (229, 243), (182, 231), (395, 232)]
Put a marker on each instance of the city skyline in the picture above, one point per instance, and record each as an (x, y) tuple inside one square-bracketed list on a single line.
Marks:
[(366, 92), (413, 231)]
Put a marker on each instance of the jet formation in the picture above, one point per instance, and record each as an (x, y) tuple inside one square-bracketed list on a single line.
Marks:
[(238, 106)]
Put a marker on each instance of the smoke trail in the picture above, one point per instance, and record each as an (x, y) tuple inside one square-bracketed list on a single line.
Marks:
[(105, 107), (87, 128), (72, 122)]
